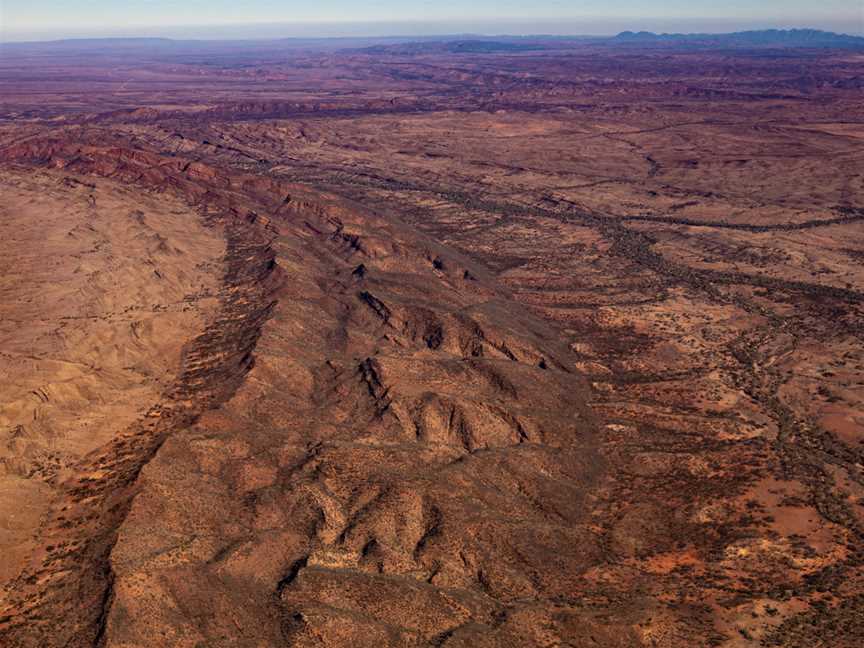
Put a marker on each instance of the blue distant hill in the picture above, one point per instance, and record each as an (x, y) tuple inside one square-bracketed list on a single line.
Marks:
[(759, 38)]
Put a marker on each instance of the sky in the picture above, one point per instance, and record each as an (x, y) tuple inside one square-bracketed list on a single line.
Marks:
[(44, 19)]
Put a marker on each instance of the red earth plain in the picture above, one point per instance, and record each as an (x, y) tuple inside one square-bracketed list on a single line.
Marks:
[(480, 343)]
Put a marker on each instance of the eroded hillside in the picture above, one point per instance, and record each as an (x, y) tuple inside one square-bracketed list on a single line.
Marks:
[(453, 349)]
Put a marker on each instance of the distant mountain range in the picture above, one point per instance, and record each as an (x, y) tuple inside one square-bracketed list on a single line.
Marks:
[(760, 38), (160, 48)]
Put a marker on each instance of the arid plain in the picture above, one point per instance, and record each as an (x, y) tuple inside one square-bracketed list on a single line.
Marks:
[(455, 344)]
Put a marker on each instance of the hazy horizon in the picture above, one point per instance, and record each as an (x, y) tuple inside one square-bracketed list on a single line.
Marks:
[(258, 31), (261, 19)]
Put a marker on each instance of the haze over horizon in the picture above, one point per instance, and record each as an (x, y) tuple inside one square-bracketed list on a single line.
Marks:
[(220, 19)]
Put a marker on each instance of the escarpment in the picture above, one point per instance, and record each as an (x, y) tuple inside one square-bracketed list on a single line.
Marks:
[(397, 454), (375, 488)]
